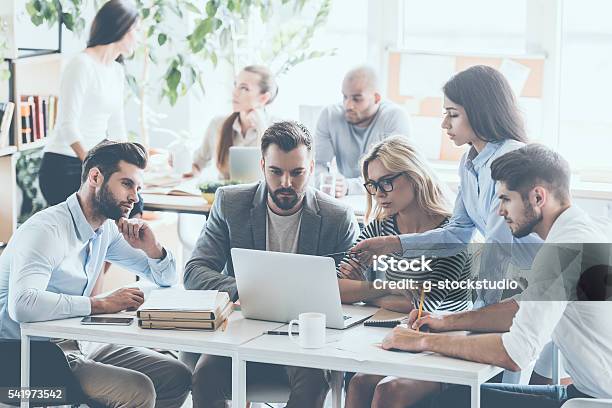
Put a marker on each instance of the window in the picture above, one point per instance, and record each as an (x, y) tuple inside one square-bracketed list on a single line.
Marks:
[(471, 26), (586, 64)]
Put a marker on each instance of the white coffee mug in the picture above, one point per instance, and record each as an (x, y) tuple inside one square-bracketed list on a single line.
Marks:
[(311, 329)]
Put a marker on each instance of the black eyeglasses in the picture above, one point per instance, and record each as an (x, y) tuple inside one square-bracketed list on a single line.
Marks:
[(385, 184)]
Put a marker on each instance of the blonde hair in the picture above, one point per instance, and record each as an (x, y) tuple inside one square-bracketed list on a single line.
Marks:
[(398, 155)]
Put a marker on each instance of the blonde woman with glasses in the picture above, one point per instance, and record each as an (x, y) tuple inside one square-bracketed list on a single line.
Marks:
[(404, 196)]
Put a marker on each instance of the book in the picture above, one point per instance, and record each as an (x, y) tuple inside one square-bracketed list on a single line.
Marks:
[(171, 186), (189, 324), (178, 315), (6, 117), (26, 130), (39, 117), (181, 304), (32, 118), (52, 111)]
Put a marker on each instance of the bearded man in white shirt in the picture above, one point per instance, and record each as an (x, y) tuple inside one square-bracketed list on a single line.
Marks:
[(534, 197)]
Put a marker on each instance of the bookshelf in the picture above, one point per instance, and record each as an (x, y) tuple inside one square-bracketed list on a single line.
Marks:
[(33, 71)]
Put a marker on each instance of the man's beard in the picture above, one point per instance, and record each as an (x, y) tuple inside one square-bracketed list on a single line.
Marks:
[(287, 202), (530, 220), (107, 205)]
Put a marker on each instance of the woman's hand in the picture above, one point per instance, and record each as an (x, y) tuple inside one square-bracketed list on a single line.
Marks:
[(352, 270), (366, 249)]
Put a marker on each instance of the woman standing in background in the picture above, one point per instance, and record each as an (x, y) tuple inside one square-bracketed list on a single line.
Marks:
[(90, 107), (254, 89)]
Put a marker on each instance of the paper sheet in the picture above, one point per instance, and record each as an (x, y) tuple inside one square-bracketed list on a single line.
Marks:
[(516, 74), (424, 75), (180, 299)]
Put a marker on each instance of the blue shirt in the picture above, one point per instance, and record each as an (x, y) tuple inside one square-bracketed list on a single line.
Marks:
[(476, 209), (51, 264)]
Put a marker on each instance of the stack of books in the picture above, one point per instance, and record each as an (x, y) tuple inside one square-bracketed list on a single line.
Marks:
[(184, 309), (38, 116)]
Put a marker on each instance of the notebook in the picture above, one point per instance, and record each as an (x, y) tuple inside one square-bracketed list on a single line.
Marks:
[(180, 304), (180, 324)]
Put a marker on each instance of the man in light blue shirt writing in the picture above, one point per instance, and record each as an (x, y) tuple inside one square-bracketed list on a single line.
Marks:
[(50, 267)]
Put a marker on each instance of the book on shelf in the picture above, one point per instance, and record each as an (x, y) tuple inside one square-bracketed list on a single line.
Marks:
[(6, 117), (38, 114), (180, 324), (26, 129)]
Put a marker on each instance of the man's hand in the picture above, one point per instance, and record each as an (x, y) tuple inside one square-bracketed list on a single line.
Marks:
[(403, 338), (352, 270), (366, 249), (436, 323), (341, 186), (121, 299), (138, 234)]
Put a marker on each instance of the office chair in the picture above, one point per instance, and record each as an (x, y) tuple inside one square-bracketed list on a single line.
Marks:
[(49, 368), (189, 228)]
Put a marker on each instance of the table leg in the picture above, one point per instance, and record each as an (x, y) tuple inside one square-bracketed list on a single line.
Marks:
[(475, 395), (238, 382), (337, 377), (555, 365), (25, 366)]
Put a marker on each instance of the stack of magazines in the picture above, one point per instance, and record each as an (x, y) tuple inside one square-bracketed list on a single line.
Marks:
[(184, 309)]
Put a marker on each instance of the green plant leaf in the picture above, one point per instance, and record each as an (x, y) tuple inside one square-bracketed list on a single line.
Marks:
[(211, 8), (161, 38), (191, 7), (68, 20)]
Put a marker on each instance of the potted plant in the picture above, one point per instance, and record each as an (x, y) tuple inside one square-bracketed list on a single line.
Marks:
[(209, 188)]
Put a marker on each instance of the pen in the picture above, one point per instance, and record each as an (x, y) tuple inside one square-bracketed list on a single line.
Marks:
[(280, 333), (421, 305)]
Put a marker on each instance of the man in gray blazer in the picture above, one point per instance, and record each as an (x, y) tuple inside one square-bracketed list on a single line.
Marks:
[(281, 214)]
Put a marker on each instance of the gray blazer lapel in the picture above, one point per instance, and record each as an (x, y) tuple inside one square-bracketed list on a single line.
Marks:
[(310, 225), (258, 217)]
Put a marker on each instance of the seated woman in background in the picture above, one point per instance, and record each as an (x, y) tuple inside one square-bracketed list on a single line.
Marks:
[(254, 89), (408, 199)]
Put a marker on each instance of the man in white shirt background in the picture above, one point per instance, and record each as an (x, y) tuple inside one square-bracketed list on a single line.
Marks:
[(52, 262), (534, 197)]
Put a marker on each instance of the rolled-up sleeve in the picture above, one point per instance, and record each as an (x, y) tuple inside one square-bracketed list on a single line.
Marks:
[(32, 264), (531, 329)]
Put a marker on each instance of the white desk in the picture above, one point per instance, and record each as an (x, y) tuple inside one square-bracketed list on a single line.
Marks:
[(347, 350), (354, 350), (198, 205), (221, 343)]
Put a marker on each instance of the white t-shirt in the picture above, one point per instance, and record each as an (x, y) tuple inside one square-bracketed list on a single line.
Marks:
[(581, 329), (90, 105), (283, 232)]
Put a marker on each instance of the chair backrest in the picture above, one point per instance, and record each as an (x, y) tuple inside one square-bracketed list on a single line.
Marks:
[(48, 368)]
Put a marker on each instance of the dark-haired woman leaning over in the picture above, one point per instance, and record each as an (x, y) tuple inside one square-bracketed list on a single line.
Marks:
[(90, 105), (480, 111)]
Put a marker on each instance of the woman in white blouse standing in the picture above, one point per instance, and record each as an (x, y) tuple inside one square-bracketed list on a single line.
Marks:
[(254, 88), (90, 106)]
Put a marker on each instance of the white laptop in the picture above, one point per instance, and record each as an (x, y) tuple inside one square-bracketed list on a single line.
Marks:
[(277, 287), (244, 164)]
